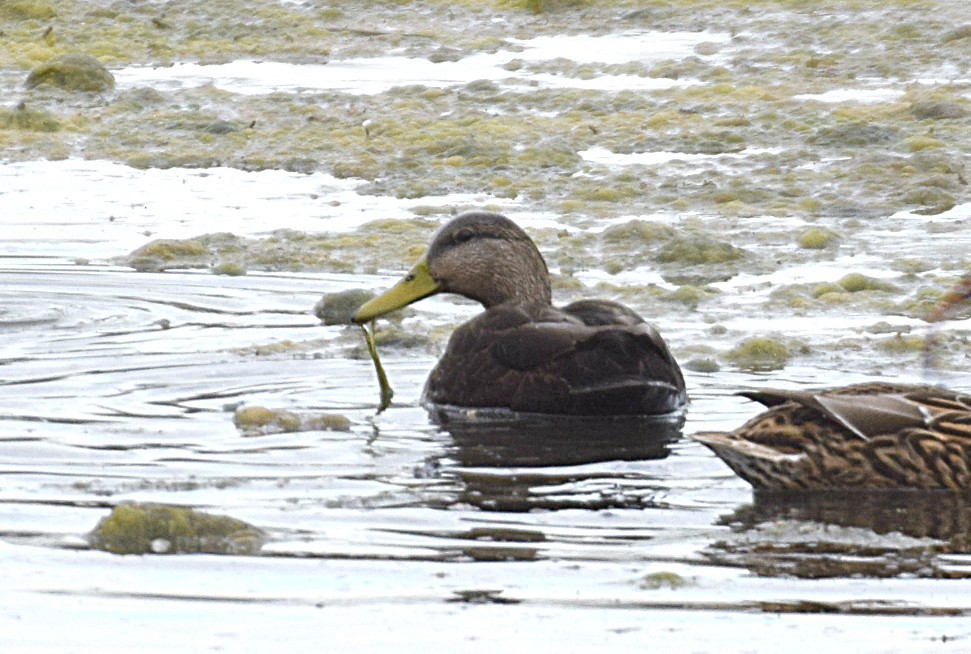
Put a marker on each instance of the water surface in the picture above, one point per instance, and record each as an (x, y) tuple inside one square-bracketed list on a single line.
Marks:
[(397, 535)]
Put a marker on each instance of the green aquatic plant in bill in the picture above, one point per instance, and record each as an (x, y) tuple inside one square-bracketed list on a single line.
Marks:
[(386, 391)]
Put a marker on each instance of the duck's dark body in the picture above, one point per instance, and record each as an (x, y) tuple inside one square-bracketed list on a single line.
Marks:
[(591, 357), (868, 436)]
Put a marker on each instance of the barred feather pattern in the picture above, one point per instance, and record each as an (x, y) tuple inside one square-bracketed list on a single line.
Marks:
[(798, 445)]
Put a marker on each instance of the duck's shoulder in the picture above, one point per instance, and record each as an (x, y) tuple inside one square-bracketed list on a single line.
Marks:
[(603, 313), (526, 336), (520, 336)]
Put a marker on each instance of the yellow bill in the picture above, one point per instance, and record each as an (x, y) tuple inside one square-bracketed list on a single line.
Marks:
[(417, 284)]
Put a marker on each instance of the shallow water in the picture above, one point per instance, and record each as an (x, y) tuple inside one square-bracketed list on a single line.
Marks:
[(120, 386), (373, 75)]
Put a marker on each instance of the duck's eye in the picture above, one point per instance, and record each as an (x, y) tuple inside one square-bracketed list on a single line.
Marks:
[(463, 235)]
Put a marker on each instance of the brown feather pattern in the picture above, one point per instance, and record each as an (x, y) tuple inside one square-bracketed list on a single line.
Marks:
[(803, 441)]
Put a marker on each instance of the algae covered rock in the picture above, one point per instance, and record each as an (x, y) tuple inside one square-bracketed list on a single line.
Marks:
[(856, 282), (817, 238), (28, 119), (706, 365), (260, 421), (27, 10), (698, 250), (854, 134), (640, 231), (937, 110), (164, 529), (759, 354), (229, 269), (169, 254), (73, 72), (337, 308)]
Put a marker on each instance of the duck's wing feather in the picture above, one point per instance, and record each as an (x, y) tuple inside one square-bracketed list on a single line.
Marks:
[(542, 359), (865, 415), (607, 366)]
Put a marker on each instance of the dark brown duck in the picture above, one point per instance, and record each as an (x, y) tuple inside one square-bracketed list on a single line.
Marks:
[(591, 357)]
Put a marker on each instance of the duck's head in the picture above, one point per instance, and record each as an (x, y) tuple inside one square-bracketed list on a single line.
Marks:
[(484, 256)]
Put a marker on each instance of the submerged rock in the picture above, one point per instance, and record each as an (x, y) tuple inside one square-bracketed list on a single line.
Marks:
[(816, 238), (337, 308), (706, 365), (759, 354), (27, 119), (169, 254), (260, 421), (229, 269), (856, 282), (698, 250), (73, 72), (855, 134), (937, 110), (27, 10), (164, 529)]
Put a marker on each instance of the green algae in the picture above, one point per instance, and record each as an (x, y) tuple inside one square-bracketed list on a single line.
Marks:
[(696, 250), (861, 292), (73, 72), (759, 354), (229, 269), (544, 6), (688, 295), (902, 344), (397, 337), (857, 282), (669, 580), (642, 232), (533, 137), (326, 422), (164, 529), (169, 254), (378, 245), (25, 118), (260, 421), (938, 110), (386, 393), (27, 10), (703, 365), (825, 288), (817, 238)]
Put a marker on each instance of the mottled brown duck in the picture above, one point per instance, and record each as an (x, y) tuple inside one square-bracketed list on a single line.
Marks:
[(589, 358), (866, 436)]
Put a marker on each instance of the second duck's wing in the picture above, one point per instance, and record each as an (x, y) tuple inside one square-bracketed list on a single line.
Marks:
[(866, 410)]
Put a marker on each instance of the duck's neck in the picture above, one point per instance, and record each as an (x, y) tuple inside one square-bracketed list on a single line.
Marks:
[(520, 279), (523, 286)]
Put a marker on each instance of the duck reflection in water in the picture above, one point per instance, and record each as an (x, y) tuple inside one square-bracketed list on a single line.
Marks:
[(849, 533), (526, 462)]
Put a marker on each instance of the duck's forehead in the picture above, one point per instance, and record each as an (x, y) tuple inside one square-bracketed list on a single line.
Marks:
[(477, 223)]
